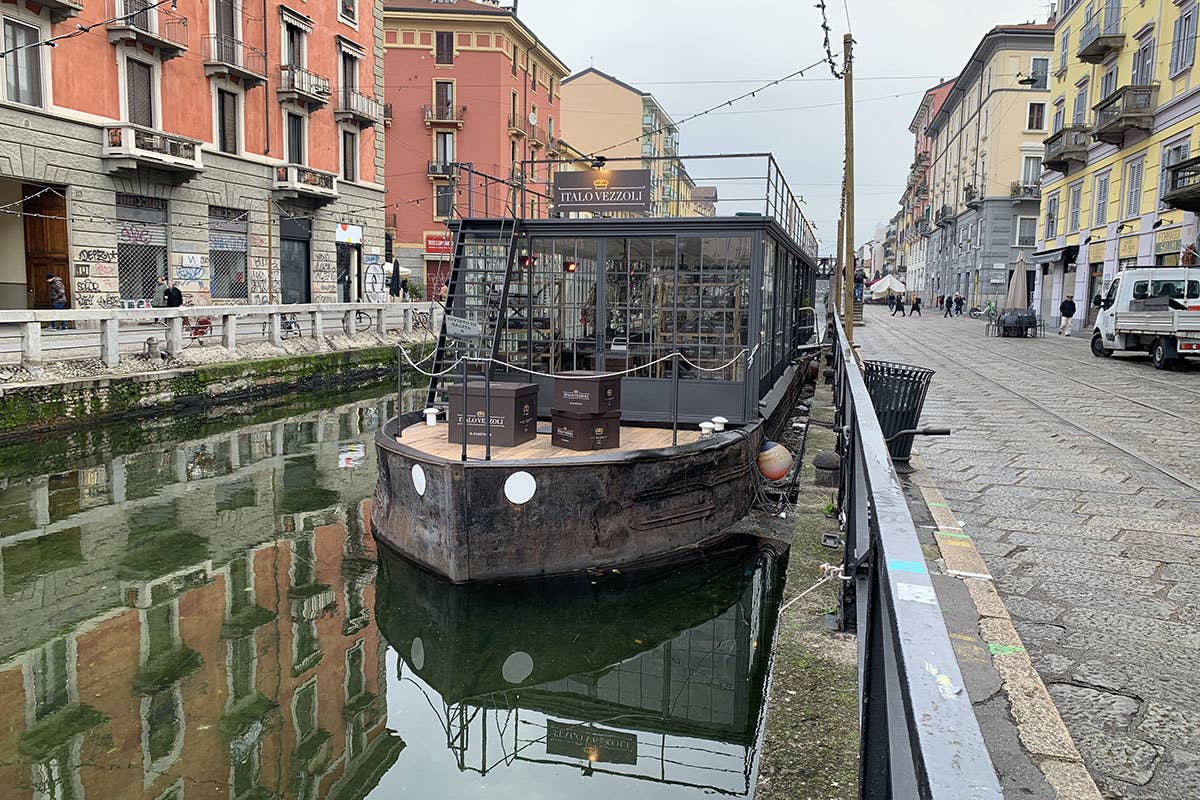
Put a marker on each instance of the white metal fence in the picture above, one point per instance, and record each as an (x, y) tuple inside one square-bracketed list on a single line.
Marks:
[(34, 338)]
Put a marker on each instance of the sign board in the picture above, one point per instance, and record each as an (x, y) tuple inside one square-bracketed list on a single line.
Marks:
[(461, 328), (347, 234), (439, 244), (1127, 247), (1096, 253), (590, 743), (601, 190), (1168, 241)]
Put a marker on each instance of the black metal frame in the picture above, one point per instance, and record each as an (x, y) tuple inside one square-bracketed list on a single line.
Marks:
[(919, 734)]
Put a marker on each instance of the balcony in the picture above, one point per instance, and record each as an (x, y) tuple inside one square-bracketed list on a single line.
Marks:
[(1097, 41), (129, 146), (973, 197), (921, 191), (1183, 185), (444, 114), (649, 123), (537, 136), (944, 216), (62, 9), (138, 22), (298, 85), (387, 115), (228, 57), (361, 109), (295, 181), (1069, 144), (553, 145), (517, 126), (923, 228), (440, 170), (1021, 190), (1128, 108)]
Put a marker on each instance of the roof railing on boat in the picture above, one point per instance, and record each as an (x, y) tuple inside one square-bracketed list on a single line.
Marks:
[(919, 733)]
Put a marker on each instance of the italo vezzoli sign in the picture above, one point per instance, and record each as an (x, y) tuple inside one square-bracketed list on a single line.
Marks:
[(599, 190)]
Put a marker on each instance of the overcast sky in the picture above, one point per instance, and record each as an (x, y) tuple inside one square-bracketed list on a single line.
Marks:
[(676, 48)]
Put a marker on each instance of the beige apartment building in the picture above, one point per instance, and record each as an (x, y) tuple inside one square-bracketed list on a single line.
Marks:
[(986, 164), (600, 111)]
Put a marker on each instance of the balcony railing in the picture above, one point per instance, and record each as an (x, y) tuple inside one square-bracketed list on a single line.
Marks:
[(297, 180), (444, 114), (1128, 108), (139, 21), (1026, 241), (1100, 37), (1069, 144), (128, 146), (354, 106), (923, 227), (537, 135), (649, 123), (224, 55), (944, 216), (62, 9), (1183, 185), (1025, 191), (972, 196), (441, 169), (298, 85), (517, 125)]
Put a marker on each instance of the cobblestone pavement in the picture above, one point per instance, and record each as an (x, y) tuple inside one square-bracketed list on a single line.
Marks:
[(1079, 480)]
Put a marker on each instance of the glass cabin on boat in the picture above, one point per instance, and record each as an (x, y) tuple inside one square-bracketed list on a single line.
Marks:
[(731, 296)]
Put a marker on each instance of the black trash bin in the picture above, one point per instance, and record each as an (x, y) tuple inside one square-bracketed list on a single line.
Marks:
[(898, 394)]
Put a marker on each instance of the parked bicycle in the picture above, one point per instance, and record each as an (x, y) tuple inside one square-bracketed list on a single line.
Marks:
[(988, 311)]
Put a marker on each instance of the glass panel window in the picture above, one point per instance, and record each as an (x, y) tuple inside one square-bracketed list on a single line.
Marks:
[(295, 139), (443, 201), (553, 308), (349, 155), (443, 96), (514, 60), (349, 72), (1101, 200), (1059, 117), (1040, 72), (1079, 113), (1031, 172), (1037, 117), (348, 9), (22, 64), (139, 96), (444, 47), (227, 121), (1026, 231), (1108, 84), (713, 304), (1065, 46), (1143, 64), (444, 147), (293, 45), (1172, 154)]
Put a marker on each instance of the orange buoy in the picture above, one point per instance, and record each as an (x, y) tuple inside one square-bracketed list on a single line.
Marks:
[(774, 460)]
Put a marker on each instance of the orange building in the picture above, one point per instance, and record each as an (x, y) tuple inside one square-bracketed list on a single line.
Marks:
[(233, 147), (473, 92)]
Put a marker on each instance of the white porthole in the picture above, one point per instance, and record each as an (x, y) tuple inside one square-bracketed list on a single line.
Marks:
[(519, 488), (517, 667), (418, 476), (417, 654)]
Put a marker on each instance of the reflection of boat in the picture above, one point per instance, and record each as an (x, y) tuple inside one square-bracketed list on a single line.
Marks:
[(652, 677), (678, 297)]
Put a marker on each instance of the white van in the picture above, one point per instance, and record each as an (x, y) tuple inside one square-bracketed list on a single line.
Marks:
[(1154, 310)]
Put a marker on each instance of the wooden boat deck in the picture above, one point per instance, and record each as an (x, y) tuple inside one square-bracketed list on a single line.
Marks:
[(435, 441)]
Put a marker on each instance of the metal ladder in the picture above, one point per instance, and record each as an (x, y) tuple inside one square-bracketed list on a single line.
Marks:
[(480, 277)]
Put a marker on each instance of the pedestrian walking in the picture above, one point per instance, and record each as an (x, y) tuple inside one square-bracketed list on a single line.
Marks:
[(58, 299), (916, 306), (1067, 310), (958, 304), (948, 305), (444, 292), (892, 304), (899, 306), (174, 296)]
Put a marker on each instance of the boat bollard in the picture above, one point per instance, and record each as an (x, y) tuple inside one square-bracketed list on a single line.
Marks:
[(706, 430), (719, 424), (431, 417)]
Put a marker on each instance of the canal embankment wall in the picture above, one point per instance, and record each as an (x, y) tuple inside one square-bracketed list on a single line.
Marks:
[(63, 403)]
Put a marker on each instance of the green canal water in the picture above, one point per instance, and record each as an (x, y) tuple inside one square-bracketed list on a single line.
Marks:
[(194, 607)]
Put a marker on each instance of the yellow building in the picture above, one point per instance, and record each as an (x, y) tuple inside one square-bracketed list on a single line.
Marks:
[(985, 156), (1120, 188), (601, 111)]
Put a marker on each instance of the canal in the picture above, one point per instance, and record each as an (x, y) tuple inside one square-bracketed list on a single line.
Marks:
[(195, 607)]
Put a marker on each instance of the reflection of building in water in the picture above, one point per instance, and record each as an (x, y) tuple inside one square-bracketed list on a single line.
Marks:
[(211, 625), (679, 706)]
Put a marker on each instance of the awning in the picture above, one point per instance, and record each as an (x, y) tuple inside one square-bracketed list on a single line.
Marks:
[(1065, 254)]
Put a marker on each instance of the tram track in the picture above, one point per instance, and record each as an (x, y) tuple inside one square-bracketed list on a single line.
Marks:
[(1127, 450), (1121, 363)]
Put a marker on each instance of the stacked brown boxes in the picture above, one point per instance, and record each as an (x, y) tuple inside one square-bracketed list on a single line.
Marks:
[(586, 413), (513, 410)]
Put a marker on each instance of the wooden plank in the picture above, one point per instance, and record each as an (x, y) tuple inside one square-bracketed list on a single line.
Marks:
[(435, 442)]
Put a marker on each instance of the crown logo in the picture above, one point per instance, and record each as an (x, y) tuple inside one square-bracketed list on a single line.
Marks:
[(600, 183)]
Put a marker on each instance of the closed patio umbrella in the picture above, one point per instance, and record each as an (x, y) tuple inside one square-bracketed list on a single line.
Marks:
[(885, 286), (1018, 287)]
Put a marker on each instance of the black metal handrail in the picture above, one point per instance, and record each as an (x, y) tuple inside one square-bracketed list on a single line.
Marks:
[(920, 737)]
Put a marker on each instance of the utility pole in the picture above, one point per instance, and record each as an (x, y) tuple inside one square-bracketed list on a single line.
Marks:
[(836, 299), (848, 226)]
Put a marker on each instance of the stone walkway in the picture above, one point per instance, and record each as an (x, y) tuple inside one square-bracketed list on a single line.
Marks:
[(1079, 480)]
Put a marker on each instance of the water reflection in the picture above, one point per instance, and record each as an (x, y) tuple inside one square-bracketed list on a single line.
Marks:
[(206, 616)]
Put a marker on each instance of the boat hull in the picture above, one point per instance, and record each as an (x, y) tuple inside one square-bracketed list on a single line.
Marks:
[(587, 512)]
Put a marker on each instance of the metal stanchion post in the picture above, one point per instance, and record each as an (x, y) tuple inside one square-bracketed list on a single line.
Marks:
[(675, 398), (399, 387), (466, 403), (487, 412)]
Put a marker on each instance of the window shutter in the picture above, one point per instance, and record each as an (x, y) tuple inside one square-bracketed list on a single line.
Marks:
[(138, 93), (1175, 45), (229, 121)]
